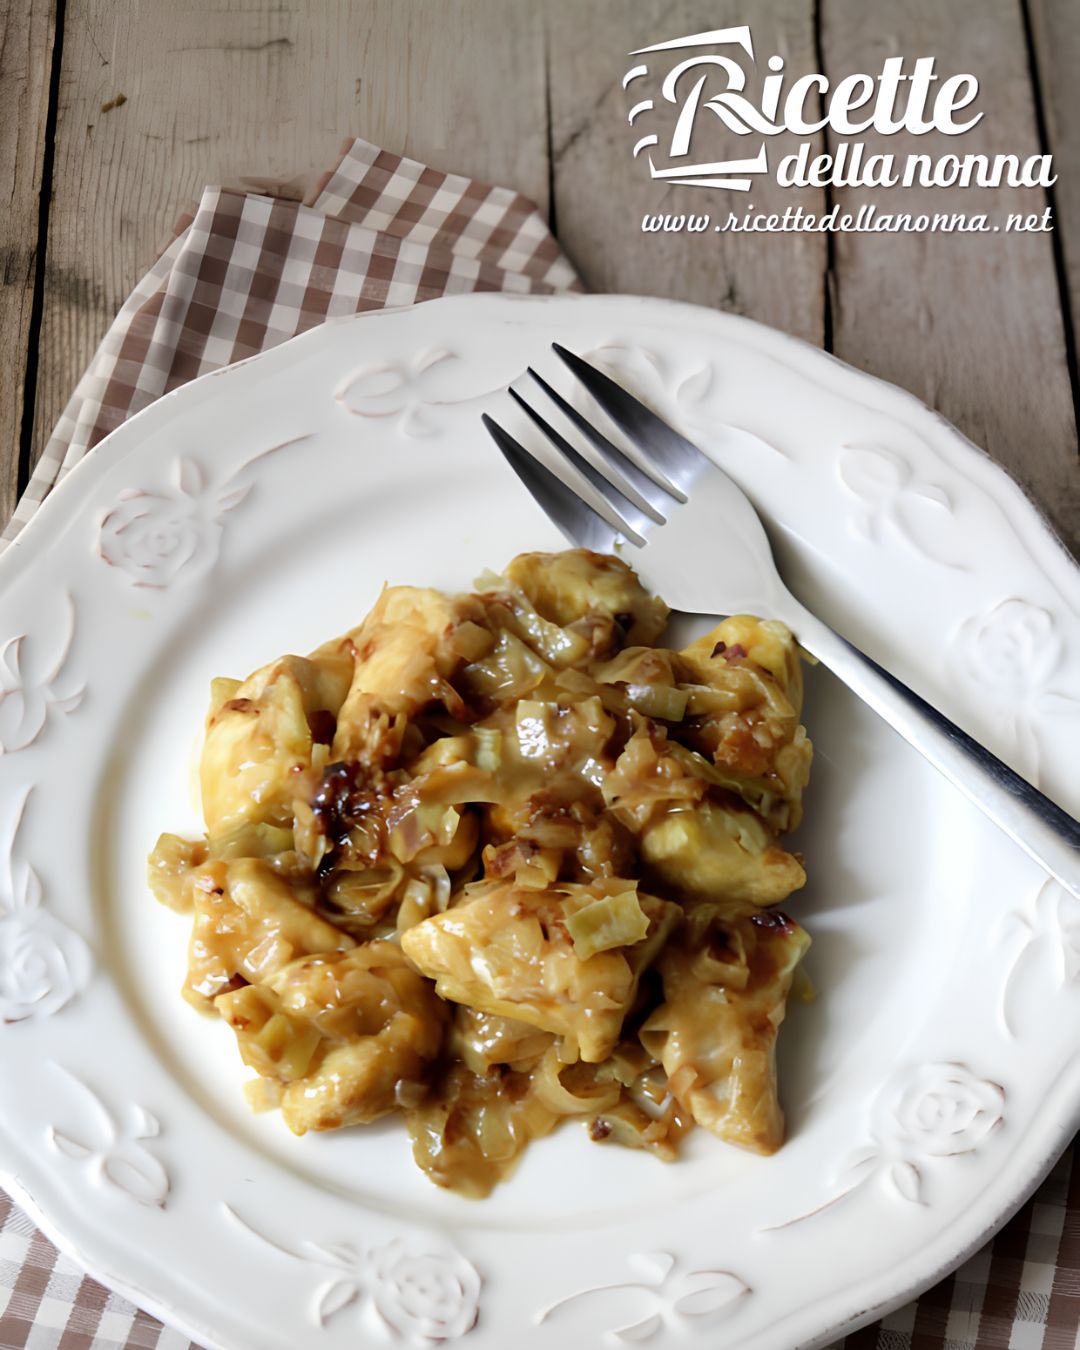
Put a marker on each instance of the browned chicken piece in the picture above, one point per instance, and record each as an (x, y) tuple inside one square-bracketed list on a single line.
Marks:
[(508, 950), (715, 851), (248, 924), (726, 980), (356, 1029), (406, 650), (745, 692), (699, 839), (259, 733), (578, 586)]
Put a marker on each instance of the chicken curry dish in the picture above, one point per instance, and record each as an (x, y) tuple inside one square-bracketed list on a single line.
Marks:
[(496, 859)]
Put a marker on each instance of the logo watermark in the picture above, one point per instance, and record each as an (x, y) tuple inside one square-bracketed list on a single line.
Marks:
[(701, 82)]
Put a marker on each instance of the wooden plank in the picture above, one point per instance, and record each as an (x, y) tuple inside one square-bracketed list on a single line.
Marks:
[(1057, 51), (602, 193), (970, 322), (213, 91), (26, 44)]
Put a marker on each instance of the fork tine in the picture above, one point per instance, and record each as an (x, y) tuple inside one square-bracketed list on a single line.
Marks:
[(651, 493), (611, 491), (575, 518), (663, 444)]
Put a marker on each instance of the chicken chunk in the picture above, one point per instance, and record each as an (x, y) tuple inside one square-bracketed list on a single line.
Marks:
[(248, 923), (507, 950), (259, 733), (367, 1022), (567, 588), (726, 980), (744, 699), (714, 851), (405, 655)]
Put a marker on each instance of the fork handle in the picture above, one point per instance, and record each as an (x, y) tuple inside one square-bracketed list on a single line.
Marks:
[(1042, 829)]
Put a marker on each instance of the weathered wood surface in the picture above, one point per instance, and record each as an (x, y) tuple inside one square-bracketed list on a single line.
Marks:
[(215, 91), (26, 39), (602, 193), (530, 94), (971, 323)]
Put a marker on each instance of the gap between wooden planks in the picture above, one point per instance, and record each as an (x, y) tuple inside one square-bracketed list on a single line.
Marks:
[(531, 96), (26, 44)]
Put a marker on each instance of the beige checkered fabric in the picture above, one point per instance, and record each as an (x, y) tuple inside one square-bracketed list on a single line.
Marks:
[(247, 271)]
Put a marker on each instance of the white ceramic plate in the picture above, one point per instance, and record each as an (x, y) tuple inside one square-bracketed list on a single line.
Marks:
[(256, 511)]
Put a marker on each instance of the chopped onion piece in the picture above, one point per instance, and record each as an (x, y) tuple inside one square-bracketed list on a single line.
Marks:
[(613, 921), (658, 700), (556, 1097)]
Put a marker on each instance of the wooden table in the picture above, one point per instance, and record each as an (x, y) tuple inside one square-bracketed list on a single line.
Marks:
[(113, 114)]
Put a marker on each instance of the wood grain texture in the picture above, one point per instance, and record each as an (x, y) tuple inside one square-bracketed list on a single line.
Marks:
[(1055, 27), (602, 193), (27, 29), (213, 91), (970, 323)]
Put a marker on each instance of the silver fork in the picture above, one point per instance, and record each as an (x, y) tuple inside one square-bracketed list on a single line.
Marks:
[(700, 544)]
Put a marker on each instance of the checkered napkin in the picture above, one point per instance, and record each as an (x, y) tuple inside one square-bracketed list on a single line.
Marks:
[(252, 267)]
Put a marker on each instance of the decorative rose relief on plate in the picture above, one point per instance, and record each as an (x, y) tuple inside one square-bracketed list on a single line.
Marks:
[(424, 1298), (43, 963), (1009, 656), (664, 1297), (936, 1111), (30, 690), (1048, 959), (410, 391), (113, 1149), (158, 536), (892, 498)]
